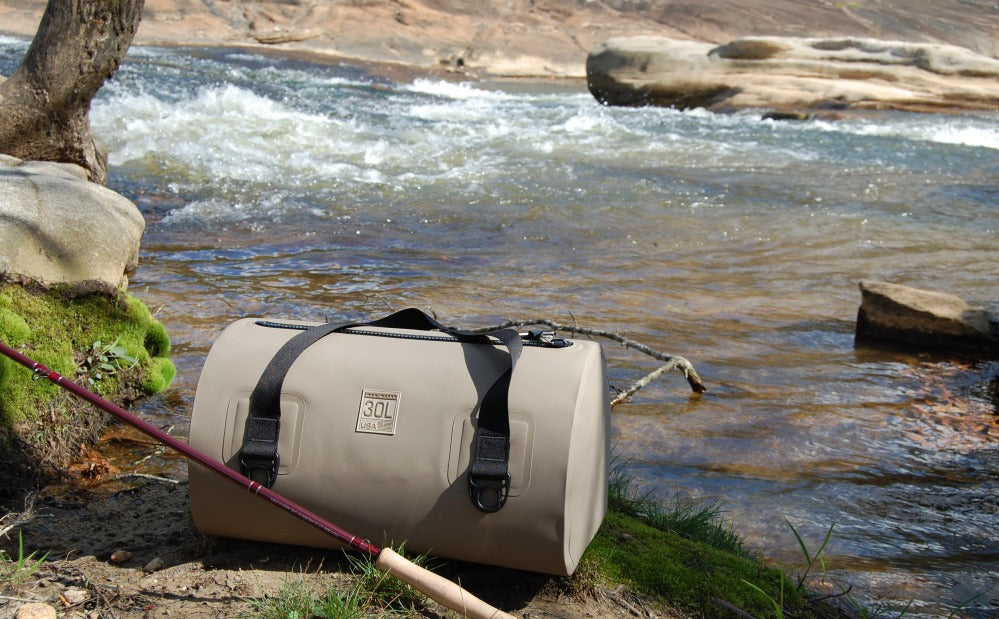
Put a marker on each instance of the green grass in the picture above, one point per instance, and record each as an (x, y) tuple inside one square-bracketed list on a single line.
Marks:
[(687, 573), (696, 521), (684, 554), (296, 601), (371, 593), (15, 572), (386, 592)]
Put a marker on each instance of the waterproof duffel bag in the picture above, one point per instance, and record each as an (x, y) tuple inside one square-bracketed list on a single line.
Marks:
[(485, 448)]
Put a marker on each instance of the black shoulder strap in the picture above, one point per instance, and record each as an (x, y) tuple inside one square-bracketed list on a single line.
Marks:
[(488, 476)]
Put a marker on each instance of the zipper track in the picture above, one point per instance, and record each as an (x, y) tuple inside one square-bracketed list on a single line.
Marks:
[(401, 336)]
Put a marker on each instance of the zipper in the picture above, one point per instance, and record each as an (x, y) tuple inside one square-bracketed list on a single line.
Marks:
[(541, 339)]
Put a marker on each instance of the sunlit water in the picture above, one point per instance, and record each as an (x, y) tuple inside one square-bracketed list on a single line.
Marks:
[(277, 187)]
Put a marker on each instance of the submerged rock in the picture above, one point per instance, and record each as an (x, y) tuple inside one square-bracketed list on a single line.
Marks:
[(925, 319), (57, 229), (791, 73)]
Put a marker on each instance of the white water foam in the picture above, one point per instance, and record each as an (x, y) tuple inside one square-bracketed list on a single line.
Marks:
[(455, 90), (227, 132), (333, 138), (15, 42), (980, 131), (962, 134)]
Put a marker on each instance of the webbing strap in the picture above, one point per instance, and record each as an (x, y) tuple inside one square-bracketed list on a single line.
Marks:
[(488, 475), (259, 453)]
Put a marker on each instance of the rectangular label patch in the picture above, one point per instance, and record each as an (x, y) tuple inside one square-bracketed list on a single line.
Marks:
[(378, 412)]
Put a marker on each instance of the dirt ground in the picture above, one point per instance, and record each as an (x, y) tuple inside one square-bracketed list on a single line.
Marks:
[(121, 543)]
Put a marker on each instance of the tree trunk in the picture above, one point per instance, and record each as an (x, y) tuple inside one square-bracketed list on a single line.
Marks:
[(44, 106)]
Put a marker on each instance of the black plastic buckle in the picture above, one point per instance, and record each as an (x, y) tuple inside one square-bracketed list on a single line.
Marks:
[(483, 487), (547, 339), (249, 465)]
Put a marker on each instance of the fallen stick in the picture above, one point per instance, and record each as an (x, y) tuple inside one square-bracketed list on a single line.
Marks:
[(673, 362)]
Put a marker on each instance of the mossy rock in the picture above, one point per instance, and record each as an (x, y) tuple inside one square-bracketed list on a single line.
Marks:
[(111, 345)]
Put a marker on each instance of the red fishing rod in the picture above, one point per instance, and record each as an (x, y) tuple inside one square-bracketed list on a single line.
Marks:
[(434, 586)]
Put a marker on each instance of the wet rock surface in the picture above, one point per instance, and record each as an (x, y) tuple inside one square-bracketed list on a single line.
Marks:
[(925, 319)]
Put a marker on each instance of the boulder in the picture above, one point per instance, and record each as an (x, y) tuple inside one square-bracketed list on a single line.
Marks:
[(57, 229), (925, 320), (791, 73)]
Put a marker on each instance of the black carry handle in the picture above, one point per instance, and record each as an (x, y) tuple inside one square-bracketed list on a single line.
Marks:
[(488, 474)]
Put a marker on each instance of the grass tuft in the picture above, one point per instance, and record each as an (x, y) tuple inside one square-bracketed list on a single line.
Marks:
[(683, 555), (157, 341), (696, 521), (372, 593), (387, 592), (15, 572)]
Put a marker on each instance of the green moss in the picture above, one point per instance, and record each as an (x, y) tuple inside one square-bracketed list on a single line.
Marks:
[(161, 371), (14, 329), (110, 345), (13, 325), (157, 341)]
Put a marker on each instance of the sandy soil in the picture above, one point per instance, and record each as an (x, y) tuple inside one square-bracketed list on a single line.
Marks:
[(120, 542), (134, 553)]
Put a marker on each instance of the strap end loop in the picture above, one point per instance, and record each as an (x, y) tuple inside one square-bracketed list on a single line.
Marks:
[(249, 466), (489, 494)]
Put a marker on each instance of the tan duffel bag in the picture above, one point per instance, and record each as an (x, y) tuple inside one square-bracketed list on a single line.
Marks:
[(484, 448)]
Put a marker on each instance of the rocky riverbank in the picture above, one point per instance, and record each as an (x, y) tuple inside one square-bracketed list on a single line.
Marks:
[(548, 38)]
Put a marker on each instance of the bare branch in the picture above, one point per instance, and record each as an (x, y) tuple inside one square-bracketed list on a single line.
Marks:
[(13, 520), (645, 380), (673, 362)]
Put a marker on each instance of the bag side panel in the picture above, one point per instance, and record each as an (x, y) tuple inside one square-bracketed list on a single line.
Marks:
[(588, 467)]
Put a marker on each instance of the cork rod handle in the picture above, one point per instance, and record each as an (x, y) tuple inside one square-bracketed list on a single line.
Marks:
[(437, 587)]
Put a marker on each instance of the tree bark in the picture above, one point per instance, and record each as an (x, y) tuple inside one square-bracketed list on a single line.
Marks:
[(45, 105)]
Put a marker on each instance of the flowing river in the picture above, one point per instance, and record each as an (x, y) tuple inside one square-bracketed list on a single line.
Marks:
[(272, 186)]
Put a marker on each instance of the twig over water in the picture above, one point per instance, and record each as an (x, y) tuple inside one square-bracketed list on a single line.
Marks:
[(673, 362)]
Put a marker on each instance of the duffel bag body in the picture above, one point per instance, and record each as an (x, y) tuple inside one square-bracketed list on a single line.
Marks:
[(384, 432)]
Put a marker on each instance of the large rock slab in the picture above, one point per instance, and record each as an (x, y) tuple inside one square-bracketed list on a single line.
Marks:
[(536, 38), (924, 319), (57, 229), (791, 73)]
